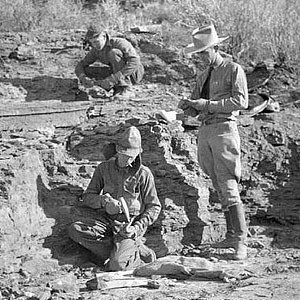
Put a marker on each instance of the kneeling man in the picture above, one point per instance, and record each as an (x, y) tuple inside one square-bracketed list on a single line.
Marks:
[(123, 197)]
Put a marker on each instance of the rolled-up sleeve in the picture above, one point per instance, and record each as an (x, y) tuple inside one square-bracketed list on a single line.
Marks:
[(90, 196)]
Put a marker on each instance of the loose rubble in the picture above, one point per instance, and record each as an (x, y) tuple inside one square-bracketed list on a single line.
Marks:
[(48, 159)]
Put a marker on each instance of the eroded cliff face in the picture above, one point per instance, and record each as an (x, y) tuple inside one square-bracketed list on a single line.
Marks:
[(41, 187), (23, 221), (41, 182), (270, 151), (47, 161)]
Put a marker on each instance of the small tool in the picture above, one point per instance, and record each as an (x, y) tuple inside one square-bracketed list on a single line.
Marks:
[(125, 209)]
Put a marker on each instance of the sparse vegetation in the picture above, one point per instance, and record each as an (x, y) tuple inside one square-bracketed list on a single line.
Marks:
[(259, 29)]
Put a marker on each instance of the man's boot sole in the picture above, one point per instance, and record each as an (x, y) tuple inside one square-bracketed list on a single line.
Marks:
[(240, 252), (224, 244)]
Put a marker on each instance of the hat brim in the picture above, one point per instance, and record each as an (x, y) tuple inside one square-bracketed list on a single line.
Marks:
[(191, 48), (133, 152)]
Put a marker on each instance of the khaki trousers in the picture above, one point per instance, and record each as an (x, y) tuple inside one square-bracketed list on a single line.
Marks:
[(219, 157)]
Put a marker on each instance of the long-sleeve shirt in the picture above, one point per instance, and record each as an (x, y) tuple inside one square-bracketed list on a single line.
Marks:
[(228, 91), (136, 185), (130, 56)]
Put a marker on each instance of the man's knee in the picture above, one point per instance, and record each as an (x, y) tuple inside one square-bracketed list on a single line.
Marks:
[(125, 256), (229, 193), (137, 76), (124, 262), (74, 231), (116, 265)]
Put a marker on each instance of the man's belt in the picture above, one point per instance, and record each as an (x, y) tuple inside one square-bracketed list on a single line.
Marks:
[(215, 121)]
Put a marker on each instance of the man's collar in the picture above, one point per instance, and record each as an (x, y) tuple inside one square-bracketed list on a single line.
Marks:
[(136, 164), (108, 41), (218, 61)]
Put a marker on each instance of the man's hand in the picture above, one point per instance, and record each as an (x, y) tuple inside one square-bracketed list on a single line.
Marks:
[(184, 104), (190, 111), (86, 81), (128, 231), (109, 82), (200, 105), (106, 84), (111, 205)]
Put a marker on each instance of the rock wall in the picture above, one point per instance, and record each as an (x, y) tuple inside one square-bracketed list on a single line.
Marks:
[(43, 172), (41, 187), (43, 169), (271, 171), (23, 221), (32, 212)]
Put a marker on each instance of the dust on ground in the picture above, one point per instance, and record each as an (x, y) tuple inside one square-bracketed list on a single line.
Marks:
[(42, 69)]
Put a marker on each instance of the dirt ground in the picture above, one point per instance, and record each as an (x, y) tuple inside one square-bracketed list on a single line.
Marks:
[(42, 69)]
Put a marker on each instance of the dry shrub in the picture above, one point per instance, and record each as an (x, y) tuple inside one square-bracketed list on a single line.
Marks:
[(109, 15), (18, 15), (25, 15), (262, 29), (259, 29), (61, 14)]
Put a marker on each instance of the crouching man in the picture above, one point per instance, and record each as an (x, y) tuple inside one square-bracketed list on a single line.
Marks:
[(123, 65), (116, 232)]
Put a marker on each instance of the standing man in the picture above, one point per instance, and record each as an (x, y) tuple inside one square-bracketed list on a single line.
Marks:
[(219, 94), (123, 196), (123, 65)]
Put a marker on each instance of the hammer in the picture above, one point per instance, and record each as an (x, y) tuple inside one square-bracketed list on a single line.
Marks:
[(125, 210)]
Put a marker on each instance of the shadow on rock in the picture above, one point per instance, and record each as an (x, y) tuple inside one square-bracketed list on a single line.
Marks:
[(57, 204), (43, 88), (275, 179)]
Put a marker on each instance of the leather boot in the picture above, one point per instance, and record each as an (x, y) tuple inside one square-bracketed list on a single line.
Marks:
[(124, 93), (147, 255), (229, 241), (238, 220)]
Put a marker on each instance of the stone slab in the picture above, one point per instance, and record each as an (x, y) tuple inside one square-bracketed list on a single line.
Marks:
[(42, 114)]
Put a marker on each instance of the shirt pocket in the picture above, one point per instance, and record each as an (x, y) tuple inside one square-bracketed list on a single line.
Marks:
[(227, 85), (110, 189)]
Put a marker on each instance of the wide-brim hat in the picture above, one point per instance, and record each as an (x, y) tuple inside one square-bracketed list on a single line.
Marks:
[(203, 38), (129, 142)]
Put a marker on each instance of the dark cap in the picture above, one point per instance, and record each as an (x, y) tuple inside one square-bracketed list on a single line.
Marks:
[(92, 32)]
